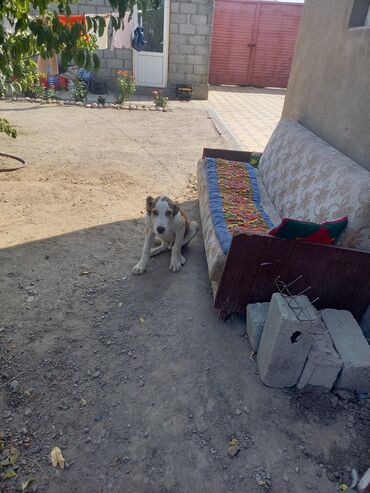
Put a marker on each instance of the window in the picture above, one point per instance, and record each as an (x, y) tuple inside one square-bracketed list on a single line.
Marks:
[(360, 16)]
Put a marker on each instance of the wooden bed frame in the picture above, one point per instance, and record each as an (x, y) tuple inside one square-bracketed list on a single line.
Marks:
[(339, 277)]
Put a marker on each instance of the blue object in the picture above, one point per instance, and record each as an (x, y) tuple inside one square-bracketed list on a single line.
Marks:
[(138, 41), (86, 76), (215, 203)]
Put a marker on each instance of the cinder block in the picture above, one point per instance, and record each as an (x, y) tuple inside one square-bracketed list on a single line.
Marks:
[(365, 323), (103, 10), (204, 9), (187, 50), (201, 50), (114, 63), (179, 39), (199, 19), (185, 69), (256, 318), (195, 59), (186, 29), (322, 365), (352, 347), (188, 8), (174, 28), (197, 40), (175, 7), (201, 69), (178, 59), (179, 18), (285, 342), (203, 30)]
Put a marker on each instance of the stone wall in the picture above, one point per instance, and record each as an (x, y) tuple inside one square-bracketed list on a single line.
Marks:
[(189, 46)]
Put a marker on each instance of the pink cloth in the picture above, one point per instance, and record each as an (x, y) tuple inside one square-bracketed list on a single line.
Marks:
[(122, 38)]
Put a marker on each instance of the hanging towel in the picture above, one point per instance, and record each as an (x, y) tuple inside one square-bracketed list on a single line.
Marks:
[(70, 20), (122, 38), (101, 41)]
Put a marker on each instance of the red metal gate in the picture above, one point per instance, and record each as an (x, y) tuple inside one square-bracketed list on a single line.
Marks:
[(253, 42)]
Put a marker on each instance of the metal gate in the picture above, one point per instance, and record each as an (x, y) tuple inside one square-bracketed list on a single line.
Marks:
[(253, 42)]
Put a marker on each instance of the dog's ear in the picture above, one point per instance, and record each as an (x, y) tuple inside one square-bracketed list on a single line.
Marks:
[(175, 209), (149, 204)]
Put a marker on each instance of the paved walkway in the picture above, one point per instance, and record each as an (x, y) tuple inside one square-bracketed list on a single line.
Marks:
[(250, 114)]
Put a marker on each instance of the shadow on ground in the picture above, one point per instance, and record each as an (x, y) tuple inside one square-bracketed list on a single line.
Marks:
[(141, 386)]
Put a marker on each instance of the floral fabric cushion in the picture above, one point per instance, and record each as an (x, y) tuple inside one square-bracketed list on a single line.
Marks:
[(308, 179)]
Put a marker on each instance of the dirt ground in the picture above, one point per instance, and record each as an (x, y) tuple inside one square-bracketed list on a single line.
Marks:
[(134, 378)]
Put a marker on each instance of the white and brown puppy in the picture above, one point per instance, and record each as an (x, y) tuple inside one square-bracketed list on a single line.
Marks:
[(165, 220)]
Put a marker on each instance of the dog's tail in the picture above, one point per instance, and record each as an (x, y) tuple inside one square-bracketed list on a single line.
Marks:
[(192, 231)]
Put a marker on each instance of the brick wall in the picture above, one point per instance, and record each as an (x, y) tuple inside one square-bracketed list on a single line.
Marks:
[(189, 50)]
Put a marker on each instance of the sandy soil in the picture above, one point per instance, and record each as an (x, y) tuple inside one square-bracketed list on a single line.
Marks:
[(133, 377)]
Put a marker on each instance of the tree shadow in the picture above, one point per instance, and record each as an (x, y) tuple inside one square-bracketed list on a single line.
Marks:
[(249, 90)]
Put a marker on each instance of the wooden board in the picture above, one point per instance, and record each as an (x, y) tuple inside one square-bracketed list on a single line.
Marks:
[(340, 277), (227, 154)]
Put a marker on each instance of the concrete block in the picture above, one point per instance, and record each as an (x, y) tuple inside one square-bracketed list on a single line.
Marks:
[(199, 20), (352, 347), (184, 69), (197, 40), (203, 30), (103, 10), (114, 63), (256, 318), (187, 50), (179, 39), (322, 365), (202, 50), (188, 8), (186, 29), (174, 28), (178, 59), (285, 342), (204, 9), (365, 323), (195, 59), (201, 69), (179, 18), (175, 7)]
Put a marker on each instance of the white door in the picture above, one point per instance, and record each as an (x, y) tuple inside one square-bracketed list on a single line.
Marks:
[(151, 64)]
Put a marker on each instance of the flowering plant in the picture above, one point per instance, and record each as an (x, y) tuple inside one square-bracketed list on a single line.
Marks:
[(159, 100), (126, 85)]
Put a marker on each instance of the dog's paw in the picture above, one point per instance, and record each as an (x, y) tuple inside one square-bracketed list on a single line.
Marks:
[(139, 268), (175, 264)]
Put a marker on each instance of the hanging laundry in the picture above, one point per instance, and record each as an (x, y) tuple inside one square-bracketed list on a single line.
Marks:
[(138, 40), (122, 38), (71, 19), (48, 66), (101, 41)]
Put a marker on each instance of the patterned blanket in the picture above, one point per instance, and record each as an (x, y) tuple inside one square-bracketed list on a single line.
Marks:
[(234, 199)]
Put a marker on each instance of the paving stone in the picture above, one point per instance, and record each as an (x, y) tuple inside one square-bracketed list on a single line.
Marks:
[(352, 347), (285, 342), (256, 318)]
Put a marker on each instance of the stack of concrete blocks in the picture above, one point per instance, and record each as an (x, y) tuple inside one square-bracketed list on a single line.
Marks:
[(309, 348), (189, 45)]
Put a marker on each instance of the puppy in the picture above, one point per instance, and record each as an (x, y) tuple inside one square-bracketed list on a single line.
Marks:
[(166, 221)]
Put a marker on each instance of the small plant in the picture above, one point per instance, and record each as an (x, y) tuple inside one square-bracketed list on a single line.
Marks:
[(79, 91), (126, 85), (7, 128), (101, 100), (159, 100)]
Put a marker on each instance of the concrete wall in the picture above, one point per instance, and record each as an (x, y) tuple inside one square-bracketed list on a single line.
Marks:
[(189, 50), (329, 86)]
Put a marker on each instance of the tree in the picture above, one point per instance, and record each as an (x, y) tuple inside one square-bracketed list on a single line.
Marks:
[(31, 27)]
